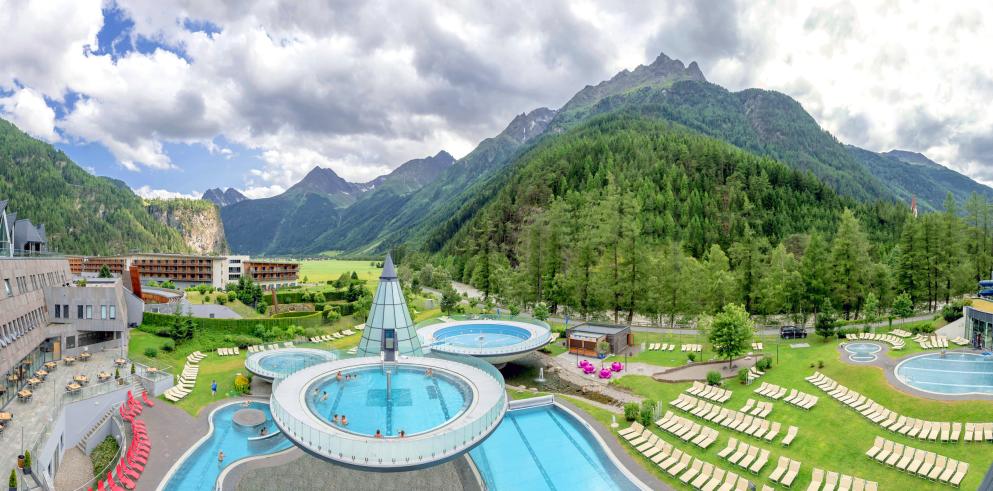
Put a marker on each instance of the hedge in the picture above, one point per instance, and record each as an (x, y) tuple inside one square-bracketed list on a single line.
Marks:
[(233, 326), (298, 315), (297, 297)]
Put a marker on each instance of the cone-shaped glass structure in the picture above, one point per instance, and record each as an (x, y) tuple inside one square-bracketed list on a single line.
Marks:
[(389, 328)]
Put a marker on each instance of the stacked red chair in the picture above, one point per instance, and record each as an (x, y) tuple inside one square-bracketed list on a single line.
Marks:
[(132, 464), (148, 402)]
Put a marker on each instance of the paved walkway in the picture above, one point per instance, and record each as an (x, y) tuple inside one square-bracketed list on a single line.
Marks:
[(75, 470), (566, 364)]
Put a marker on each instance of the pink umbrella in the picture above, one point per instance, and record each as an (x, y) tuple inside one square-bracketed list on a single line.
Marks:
[(605, 373), (588, 368), (616, 366)]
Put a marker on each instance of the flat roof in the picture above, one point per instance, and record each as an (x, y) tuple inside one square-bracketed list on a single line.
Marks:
[(600, 328), (982, 305)]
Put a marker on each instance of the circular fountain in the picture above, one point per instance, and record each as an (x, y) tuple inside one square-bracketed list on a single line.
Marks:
[(497, 340), (282, 362)]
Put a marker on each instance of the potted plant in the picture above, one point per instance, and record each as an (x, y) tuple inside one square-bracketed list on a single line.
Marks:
[(27, 462), (602, 349), (12, 483), (117, 373)]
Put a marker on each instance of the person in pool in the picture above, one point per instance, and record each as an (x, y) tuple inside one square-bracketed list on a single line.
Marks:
[(335, 419), (378, 434), (220, 457), (402, 434), (344, 420), (324, 397), (263, 431)]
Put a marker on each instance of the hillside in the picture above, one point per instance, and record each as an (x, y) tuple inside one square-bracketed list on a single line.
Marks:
[(911, 174), (197, 220), (82, 213)]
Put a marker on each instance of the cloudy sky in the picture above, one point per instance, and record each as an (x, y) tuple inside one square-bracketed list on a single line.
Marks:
[(177, 96)]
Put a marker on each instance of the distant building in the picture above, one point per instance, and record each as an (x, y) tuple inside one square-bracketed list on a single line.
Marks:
[(979, 323), (191, 270), (583, 339), (20, 237)]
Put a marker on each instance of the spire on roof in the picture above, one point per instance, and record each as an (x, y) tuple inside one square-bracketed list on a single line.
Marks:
[(389, 272)]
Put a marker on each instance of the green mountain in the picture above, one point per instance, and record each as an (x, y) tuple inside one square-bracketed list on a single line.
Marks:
[(910, 174), (82, 213)]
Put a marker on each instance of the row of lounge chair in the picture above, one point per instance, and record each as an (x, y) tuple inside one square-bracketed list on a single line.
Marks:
[(228, 351), (688, 431), (333, 336), (772, 391), (195, 357), (785, 472), (745, 455), (760, 409), (959, 340), (734, 420), (891, 420), (185, 384), (841, 482), (754, 373), (931, 342), (758, 346), (691, 348), (661, 347), (801, 400), (694, 472), (978, 432), (894, 341), (711, 392), (921, 463), (263, 347)]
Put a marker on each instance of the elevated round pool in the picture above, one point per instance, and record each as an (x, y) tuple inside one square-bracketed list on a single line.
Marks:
[(949, 373), (497, 341), (282, 362), (862, 352)]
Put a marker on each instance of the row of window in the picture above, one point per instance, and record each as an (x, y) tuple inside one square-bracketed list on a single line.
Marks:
[(33, 282), (21, 326), (86, 311)]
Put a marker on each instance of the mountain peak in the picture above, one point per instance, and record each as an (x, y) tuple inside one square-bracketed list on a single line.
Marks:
[(912, 158), (526, 126), (223, 198), (322, 181)]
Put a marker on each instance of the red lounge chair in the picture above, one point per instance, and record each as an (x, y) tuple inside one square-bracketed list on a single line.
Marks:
[(112, 484), (135, 465), (137, 458), (144, 397), (125, 480), (100, 484), (123, 469)]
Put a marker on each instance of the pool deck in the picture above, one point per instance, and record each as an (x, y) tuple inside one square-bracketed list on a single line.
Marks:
[(888, 365)]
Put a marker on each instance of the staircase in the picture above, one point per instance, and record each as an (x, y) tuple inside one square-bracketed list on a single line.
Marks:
[(103, 419)]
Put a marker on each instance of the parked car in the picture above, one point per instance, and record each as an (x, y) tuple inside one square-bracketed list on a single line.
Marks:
[(792, 332)]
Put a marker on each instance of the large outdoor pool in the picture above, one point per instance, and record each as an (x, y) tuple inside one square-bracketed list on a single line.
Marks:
[(417, 402), (200, 469), (953, 373), (482, 335), (546, 448)]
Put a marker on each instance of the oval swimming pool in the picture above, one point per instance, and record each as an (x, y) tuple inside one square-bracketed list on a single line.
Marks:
[(862, 352), (285, 364), (953, 373), (546, 448), (482, 335), (417, 402)]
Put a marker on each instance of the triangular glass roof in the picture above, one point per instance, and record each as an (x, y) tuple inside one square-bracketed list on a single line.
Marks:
[(389, 311)]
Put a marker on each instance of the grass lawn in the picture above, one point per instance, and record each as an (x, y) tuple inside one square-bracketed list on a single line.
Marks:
[(832, 436), (673, 358), (330, 269), (241, 309)]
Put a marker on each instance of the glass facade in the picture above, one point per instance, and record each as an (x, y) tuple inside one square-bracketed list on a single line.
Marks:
[(17, 377)]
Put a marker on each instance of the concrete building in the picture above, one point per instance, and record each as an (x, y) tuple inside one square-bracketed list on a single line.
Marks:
[(979, 324), (191, 270)]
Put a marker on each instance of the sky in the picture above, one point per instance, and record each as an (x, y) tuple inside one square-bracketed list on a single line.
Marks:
[(178, 96)]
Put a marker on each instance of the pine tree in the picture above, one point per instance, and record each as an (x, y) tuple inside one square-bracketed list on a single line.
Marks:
[(850, 262)]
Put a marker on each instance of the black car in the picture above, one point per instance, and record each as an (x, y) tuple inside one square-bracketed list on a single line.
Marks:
[(792, 332)]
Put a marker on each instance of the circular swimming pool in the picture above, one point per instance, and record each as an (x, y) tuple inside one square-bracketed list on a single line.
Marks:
[(414, 403), (951, 373), (862, 352), (495, 340), (283, 362)]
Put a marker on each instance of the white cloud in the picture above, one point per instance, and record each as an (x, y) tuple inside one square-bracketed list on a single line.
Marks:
[(27, 109), (256, 192), (148, 192)]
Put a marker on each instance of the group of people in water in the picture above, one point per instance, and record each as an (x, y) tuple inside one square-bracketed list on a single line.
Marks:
[(379, 434)]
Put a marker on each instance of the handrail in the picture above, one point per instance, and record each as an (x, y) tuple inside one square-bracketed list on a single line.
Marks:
[(122, 446), (541, 338)]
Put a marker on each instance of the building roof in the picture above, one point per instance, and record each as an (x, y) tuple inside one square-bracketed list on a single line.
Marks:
[(600, 328), (389, 272), (389, 312)]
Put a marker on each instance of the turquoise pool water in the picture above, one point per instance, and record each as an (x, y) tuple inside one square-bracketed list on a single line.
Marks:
[(418, 403), (287, 363), (199, 471), (545, 448), (862, 352), (955, 373), (482, 335)]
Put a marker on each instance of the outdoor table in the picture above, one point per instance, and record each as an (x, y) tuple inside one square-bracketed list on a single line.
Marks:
[(103, 376), (41, 374), (34, 381), (84, 356), (12, 378), (73, 387), (120, 362), (7, 416), (152, 370), (24, 394), (80, 379), (69, 360), (51, 365)]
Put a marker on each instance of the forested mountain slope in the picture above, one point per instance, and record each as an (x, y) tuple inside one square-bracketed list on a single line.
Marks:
[(82, 213)]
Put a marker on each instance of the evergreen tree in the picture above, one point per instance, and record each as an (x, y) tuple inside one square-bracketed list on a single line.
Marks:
[(850, 262)]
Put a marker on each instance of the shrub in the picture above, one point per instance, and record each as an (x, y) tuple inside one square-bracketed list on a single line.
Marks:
[(765, 364), (27, 459), (743, 376), (242, 384), (820, 363), (647, 412), (262, 307), (168, 346), (206, 299), (151, 352), (232, 296), (222, 299), (713, 377), (951, 311), (13, 479), (691, 357), (117, 373), (631, 411), (103, 455)]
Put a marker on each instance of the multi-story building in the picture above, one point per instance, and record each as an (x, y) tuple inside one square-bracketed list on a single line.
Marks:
[(191, 270)]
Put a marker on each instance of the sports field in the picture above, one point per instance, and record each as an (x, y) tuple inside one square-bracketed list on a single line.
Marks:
[(322, 270)]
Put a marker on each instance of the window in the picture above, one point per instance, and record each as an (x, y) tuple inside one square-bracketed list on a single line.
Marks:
[(103, 312), (79, 311), (58, 311), (70, 342), (113, 311), (65, 310), (6, 287), (89, 311)]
